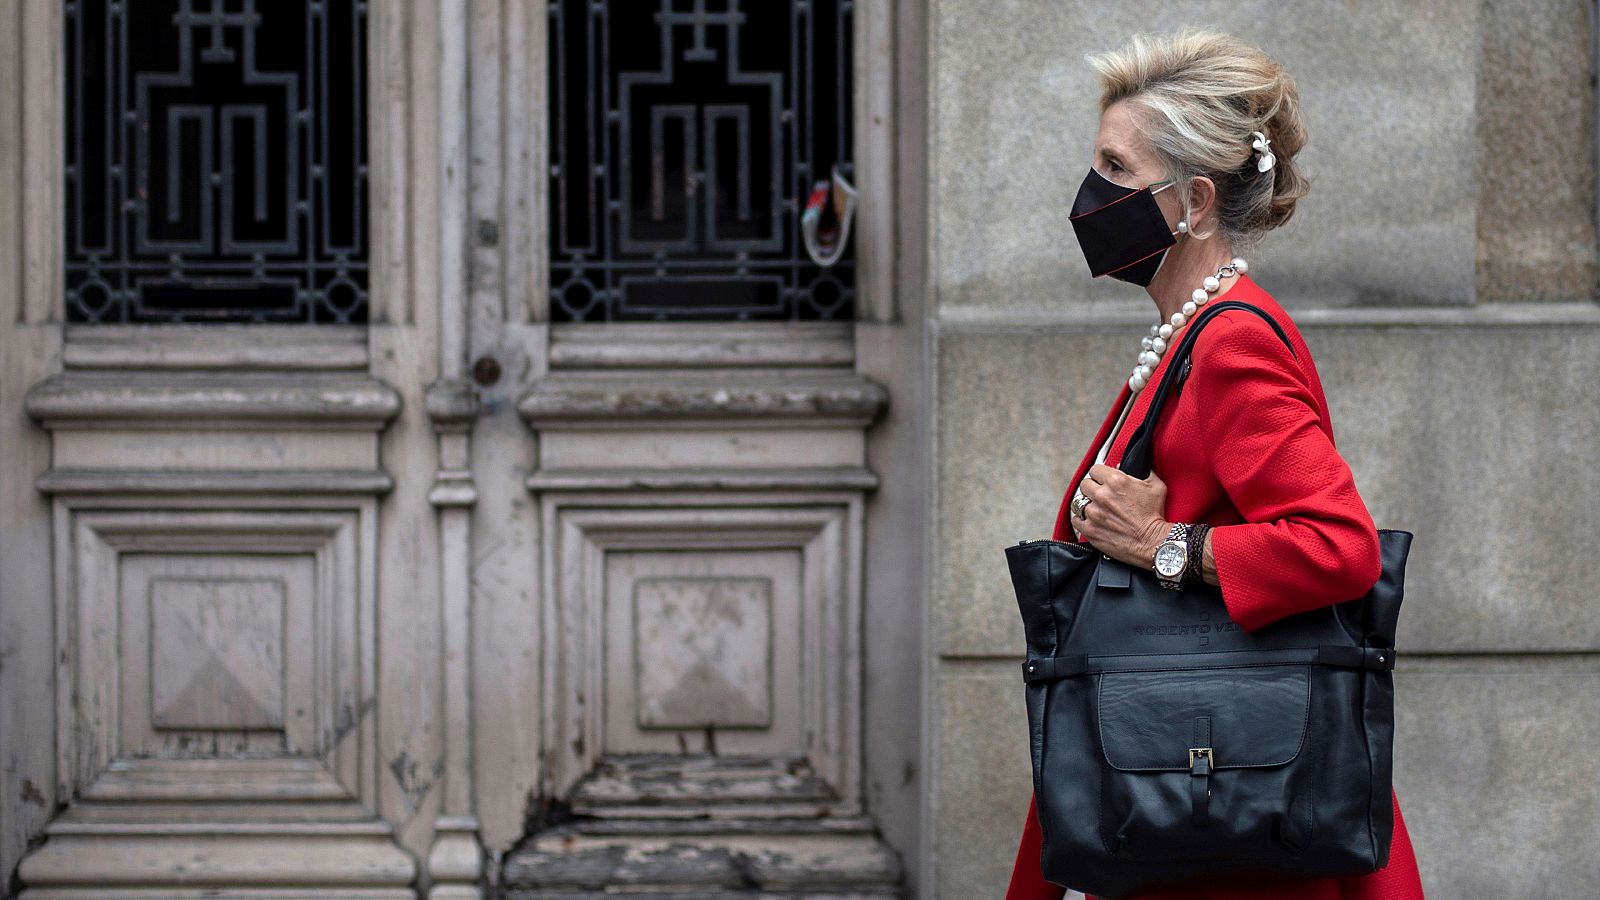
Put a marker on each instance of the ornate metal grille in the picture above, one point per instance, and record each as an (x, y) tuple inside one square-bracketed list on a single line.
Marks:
[(684, 140), (216, 161)]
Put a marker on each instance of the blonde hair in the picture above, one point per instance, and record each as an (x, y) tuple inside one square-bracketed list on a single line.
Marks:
[(1201, 94)]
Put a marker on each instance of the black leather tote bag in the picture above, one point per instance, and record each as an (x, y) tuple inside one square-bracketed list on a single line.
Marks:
[(1169, 745)]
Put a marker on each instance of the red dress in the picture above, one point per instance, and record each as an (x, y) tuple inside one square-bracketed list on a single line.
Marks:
[(1248, 447)]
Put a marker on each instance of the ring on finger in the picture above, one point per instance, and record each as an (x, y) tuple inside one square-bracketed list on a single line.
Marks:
[(1080, 504)]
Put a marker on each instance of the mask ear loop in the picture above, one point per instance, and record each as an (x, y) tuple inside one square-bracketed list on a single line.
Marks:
[(1183, 224)]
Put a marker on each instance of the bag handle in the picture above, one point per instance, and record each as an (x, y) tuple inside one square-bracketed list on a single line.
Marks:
[(1138, 458)]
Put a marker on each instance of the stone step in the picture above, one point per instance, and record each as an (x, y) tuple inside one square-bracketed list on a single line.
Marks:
[(705, 826), (540, 894), (650, 785), (665, 825), (816, 864), (92, 856), (169, 892)]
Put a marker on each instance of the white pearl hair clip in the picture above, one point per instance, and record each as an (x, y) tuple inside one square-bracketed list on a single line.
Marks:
[(1261, 143)]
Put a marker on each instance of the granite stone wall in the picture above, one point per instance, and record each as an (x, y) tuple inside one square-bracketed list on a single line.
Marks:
[(1443, 270)]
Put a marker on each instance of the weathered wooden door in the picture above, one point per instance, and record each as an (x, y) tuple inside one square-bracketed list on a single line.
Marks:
[(436, 427), (221, 566), (680, 406)]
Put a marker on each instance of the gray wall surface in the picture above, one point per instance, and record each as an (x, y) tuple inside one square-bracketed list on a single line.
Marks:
[(1443, 270)]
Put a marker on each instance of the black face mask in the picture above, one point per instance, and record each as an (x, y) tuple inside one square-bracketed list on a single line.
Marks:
[(1120, 229)]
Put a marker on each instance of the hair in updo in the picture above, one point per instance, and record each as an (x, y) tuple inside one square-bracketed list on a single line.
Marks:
[(1200, 94)]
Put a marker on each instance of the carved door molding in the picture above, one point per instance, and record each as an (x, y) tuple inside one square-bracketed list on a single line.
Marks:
[(586, 537)]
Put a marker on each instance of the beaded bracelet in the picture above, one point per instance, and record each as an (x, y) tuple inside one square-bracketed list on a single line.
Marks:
[(1195, 545)]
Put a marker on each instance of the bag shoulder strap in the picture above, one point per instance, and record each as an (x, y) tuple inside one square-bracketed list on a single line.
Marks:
[(1139, 456)]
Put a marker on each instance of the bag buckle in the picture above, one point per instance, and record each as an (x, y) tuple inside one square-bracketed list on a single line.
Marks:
[(1200, 765)]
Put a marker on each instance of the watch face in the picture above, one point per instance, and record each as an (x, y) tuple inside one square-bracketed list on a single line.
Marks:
[(1170, 558)]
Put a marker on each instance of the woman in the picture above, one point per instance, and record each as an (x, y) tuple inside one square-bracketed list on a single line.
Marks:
[(1213, 125)]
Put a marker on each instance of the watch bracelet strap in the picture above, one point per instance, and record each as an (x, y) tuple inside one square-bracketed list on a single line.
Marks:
[(1179, 532)]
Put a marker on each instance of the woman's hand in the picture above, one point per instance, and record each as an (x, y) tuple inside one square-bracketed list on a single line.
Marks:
[(1125, 519)]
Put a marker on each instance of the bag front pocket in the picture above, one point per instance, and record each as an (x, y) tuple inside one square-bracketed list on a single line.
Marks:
[(1205, 762)]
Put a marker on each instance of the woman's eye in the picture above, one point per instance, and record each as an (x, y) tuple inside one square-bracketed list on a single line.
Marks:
[(1115, 166)]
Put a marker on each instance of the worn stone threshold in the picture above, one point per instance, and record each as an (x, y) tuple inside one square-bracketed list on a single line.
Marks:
[(561, 859), (700, 894), (705, 826)]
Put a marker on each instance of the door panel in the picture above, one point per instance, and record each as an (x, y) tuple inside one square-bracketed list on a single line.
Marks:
[(693, 658), (218, 654)]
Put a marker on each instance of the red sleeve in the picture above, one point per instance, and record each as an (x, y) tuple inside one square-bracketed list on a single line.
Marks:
[(1307, 539), (1027, 881)]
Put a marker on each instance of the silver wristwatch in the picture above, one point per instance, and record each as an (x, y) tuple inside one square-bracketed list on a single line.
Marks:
[(1172, 556)]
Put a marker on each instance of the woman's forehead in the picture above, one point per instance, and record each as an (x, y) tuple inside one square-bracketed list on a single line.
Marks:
[(1119, 132)]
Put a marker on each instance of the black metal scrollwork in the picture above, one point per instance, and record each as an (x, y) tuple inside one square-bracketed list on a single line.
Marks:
[(216, 161), (685, 136)]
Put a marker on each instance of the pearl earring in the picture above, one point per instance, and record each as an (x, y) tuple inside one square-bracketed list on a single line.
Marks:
[(1183, 226)]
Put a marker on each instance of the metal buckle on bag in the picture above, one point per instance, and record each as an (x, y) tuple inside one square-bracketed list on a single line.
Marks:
[(1200, 768)]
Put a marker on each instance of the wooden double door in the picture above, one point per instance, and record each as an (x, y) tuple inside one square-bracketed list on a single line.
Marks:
[(360, 522)]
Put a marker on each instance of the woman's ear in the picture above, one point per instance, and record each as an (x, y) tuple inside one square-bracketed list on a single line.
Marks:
[(1202, 205)]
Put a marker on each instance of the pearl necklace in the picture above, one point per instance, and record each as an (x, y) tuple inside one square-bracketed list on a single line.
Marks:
[(1160, 337)]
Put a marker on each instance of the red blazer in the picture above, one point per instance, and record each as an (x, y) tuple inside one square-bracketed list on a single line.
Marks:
[(1248, 447)]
